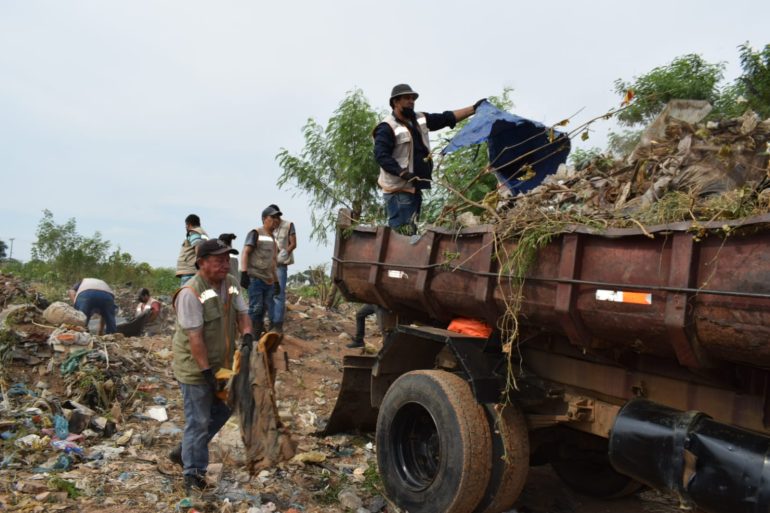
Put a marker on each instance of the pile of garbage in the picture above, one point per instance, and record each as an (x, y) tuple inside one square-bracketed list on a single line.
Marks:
[(87, 421), (683, 169)]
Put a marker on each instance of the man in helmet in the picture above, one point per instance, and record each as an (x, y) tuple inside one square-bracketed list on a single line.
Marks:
[(402, 149)]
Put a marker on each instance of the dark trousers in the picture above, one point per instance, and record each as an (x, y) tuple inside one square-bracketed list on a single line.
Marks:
[(361, 315)]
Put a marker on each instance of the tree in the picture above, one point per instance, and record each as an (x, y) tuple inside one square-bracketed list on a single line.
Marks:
[(336, 167), (754, 83), (687, 77), (70, 255), (3, 249)]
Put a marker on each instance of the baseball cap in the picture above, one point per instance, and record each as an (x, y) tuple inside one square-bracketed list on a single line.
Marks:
[(213, 247), (271, 211)]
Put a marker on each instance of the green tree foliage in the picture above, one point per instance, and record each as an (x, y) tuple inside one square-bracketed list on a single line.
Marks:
[(459, 170), (3, 249), (754, 83), (687, 77), (70, 255), (336, 167), (60, 256)]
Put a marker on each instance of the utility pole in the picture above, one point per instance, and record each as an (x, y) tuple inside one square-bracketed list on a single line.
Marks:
[(10, 256)]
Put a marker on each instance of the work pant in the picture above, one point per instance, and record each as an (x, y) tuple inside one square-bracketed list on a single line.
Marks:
[(98, 301), (261, 301), (280, 300), (204, 416), (361, 315), (403, 210)]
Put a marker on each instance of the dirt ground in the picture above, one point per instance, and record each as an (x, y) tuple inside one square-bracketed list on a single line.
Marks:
[(127, 470)]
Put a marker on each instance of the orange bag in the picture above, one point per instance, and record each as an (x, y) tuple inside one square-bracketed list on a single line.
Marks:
[(470, 327)]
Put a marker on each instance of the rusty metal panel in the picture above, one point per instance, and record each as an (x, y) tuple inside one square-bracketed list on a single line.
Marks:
[(702, 300)]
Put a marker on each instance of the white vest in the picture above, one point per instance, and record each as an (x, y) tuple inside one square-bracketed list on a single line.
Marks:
[(403, 152), (282, 239)]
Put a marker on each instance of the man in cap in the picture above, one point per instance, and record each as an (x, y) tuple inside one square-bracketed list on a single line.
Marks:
[(286, 238), (402, 149), (258, 270), (228, 239), (194, 235), (210, 314)]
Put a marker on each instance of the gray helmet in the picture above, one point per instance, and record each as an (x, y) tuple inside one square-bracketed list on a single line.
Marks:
[(400, 90)]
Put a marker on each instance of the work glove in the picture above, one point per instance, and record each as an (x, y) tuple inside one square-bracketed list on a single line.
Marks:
[(276, 289), (283, 255), (211, 380), (406, 175), (245, 279), (247, 341), (476, 105)]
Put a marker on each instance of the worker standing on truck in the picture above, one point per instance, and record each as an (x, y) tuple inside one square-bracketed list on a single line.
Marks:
[(258, 270), (194, 235), (210, 312), (402, 149), (286, 238)]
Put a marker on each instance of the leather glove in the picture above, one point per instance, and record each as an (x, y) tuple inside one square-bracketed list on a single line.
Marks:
[(245, 279), (406, 175), (476, 105), (247, 340), (211, 380), (276, 288)]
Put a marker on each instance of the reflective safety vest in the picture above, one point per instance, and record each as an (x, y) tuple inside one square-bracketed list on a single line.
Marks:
[(219, 331), (261, 262), (403, 152), (282, 239), (185, 264)]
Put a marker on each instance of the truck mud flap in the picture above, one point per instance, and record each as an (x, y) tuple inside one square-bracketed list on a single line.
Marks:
[(353, 410), (717, 467)]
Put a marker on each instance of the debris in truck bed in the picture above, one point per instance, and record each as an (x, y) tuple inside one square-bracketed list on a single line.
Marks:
[(681, 171)]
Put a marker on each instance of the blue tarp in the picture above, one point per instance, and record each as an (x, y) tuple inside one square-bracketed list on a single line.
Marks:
[(509, 138)]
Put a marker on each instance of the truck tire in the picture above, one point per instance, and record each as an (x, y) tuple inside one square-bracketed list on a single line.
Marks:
[(510, 458), (433, 444)]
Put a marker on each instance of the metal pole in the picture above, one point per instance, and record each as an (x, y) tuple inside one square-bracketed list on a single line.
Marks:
[(10, 256)]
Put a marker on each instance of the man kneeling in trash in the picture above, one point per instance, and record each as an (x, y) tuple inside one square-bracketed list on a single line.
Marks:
[(210, 312)]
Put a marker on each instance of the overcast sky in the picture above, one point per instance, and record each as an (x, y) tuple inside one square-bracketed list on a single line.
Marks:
[(128, 116)]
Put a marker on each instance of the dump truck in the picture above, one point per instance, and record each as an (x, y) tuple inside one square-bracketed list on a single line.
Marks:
[(642, 358)]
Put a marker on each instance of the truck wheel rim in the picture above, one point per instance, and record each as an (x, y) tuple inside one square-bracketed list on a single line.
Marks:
[(416, 446)]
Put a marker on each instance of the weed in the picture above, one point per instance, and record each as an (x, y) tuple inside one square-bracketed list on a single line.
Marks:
[(63, 485)]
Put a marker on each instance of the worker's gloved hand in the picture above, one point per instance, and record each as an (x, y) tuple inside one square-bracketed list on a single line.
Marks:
[(406, 175), (276, 289), (211, 380), (283, 255), (476, 105), (245, 279), (247, 340)]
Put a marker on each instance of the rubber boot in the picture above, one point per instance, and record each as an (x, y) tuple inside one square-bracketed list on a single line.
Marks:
[(257, 329), (277, 327), (356, 343), (176, 455)]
